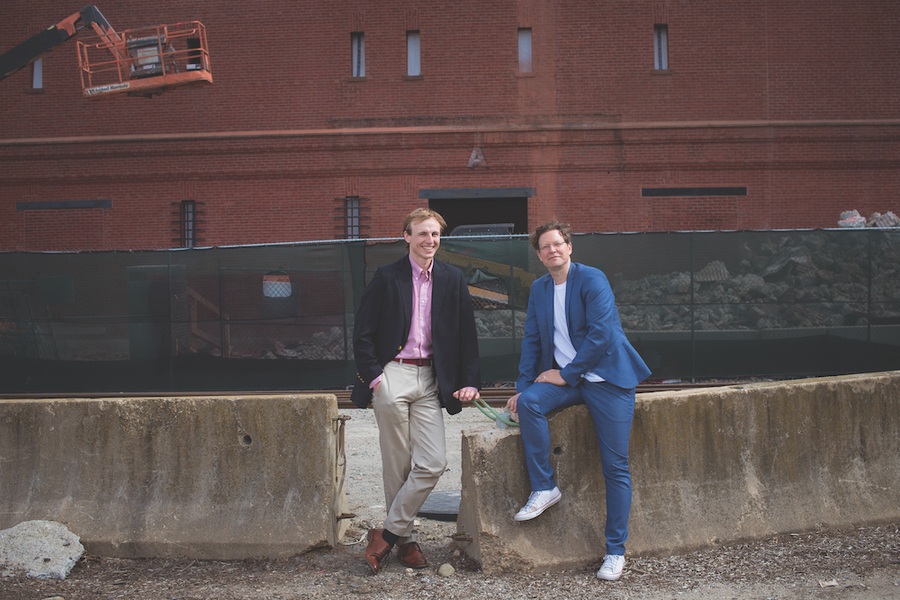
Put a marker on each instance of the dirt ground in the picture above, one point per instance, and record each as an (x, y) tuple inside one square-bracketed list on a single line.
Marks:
[(861, 564), (858, 563)]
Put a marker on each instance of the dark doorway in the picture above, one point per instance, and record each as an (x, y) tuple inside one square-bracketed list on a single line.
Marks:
[(473, 211)]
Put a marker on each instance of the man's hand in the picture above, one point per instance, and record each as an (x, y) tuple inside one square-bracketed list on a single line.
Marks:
[(511, 403), (551, 376), (375, 389), (466, 394)]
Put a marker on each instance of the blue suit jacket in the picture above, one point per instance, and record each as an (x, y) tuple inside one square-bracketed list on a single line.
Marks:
[(594, 328)]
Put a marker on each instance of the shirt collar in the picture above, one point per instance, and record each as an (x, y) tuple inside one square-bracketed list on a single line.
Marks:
[(417, 270)]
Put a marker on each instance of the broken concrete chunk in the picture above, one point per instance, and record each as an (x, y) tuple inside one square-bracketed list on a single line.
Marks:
[(41, 549)]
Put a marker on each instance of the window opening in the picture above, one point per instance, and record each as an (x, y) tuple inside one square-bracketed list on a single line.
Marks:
[(468, 213), (350, 217), (525, 61), (413, 64), (37, 74), (188, 224), (661, 46), (358, 54)]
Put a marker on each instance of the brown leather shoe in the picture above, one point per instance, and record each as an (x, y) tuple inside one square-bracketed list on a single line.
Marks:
[(376, 550), (411, 556)]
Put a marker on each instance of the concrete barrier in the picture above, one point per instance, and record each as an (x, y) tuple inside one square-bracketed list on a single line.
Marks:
[(708, 466), (197, 477)]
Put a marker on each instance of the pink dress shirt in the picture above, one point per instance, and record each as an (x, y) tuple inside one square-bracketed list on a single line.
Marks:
[(418, 344)]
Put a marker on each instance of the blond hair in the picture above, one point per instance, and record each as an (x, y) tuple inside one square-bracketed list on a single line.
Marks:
[(422, 214)]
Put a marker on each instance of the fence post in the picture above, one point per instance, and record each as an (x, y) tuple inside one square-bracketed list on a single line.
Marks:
[(692, 311), (870, 351)]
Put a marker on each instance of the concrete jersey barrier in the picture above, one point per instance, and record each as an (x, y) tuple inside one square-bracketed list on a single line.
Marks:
[(197, 477), (708, 466), (257, 476)]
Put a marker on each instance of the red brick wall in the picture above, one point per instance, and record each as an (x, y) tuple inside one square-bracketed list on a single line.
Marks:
[(794, 101)]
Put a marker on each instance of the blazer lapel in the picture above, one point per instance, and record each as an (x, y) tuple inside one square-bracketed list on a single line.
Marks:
[(571, 282), (438, 292), (548, 305), (547, 340), (406, 294)]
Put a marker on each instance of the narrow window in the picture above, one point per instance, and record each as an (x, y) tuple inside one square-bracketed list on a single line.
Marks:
[(351, 218), (37, 74), (413, 64), (358, 54), (660, 47), (188, 222), (525, 64)]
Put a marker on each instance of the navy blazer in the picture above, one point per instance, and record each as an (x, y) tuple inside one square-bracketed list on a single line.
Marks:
[(594, 328), (382, 327)]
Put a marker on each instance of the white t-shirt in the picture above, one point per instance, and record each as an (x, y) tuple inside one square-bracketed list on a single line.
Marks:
[(563, 350)]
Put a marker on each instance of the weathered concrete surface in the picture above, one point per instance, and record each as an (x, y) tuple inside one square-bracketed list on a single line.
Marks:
[(708, 466), (197, 477)]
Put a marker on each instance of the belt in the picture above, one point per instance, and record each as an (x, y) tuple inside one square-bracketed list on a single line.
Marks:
[(419, 362)]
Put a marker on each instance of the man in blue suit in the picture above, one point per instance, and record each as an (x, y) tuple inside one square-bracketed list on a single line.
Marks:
[(574, 350)]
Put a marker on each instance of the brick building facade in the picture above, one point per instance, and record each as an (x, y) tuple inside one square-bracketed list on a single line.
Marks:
[(626, 115)]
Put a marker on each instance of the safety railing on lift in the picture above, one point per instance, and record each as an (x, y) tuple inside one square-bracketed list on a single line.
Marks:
[(145, 61)]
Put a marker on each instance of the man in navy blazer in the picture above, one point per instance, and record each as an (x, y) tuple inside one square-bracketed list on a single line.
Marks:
[(416, 352), (574, 350), (382, 328)]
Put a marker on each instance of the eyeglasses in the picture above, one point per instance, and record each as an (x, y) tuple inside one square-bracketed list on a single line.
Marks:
[(554, 246)]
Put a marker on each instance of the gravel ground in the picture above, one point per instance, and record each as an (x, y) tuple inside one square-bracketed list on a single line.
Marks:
[(859, 563)]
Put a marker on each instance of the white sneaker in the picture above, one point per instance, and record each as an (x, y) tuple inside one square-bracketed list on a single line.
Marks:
[(537, 503), (613, 565)]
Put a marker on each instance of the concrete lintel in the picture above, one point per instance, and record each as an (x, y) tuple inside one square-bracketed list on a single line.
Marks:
[(455, 193)]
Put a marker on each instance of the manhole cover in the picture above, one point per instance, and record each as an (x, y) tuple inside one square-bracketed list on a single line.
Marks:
[(441, 506)]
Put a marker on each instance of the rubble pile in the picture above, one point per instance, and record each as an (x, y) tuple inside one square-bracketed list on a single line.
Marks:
[(852, 218), (817, 279)]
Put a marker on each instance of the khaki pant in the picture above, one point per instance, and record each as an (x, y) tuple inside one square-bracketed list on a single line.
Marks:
[(413, 446)]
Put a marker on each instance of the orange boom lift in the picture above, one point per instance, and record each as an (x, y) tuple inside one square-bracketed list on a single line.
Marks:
[(138, 62)]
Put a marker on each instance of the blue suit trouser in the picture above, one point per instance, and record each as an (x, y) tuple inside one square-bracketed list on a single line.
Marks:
[(612, 410)]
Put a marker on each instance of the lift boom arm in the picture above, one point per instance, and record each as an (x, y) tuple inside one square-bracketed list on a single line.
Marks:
[(36, 46)]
